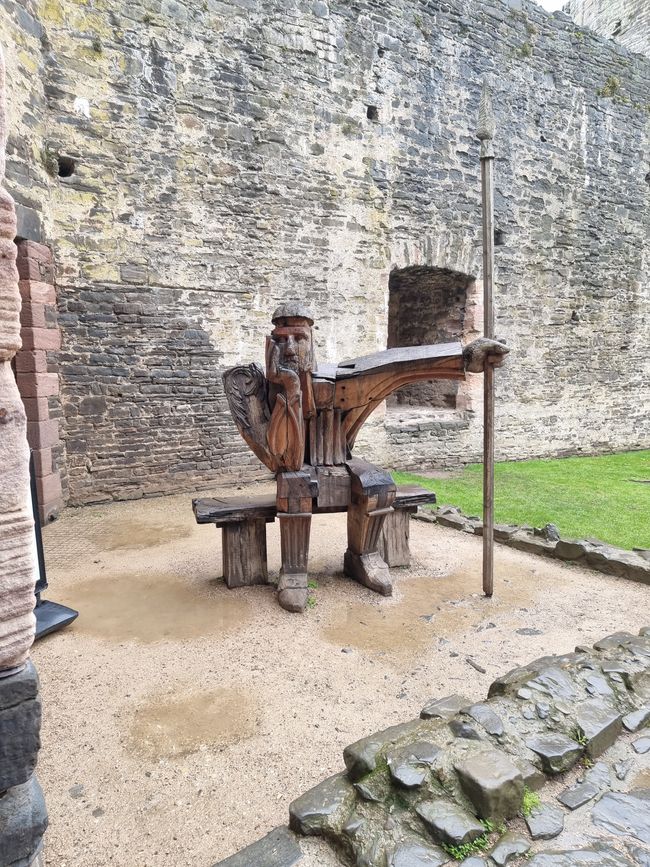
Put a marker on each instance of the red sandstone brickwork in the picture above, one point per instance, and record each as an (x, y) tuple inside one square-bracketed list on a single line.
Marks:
[(37, 383)]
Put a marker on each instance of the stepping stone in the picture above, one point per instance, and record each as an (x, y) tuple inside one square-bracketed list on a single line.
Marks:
[(624, 814), (492, 783), (486, 717), (510, 846), (361, 757), (443, 708), (577, 796), (600, 724), (596, 855), (642, 745), (557, 752), (418, 855), (278, 849), (545, 822), (409, 765), (637, 719), (448, 822), (325, 806), (23, 820)]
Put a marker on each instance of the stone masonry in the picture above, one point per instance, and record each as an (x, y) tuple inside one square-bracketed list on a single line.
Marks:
[(194, 164), (625, 21), (471, 782)]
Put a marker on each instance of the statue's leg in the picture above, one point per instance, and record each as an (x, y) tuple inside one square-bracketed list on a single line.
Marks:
[(373, 492), (294, 513)]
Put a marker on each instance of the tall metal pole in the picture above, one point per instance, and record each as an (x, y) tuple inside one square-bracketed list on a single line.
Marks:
[(485, 133)]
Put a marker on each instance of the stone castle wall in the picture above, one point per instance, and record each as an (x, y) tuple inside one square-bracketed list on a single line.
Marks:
[(225, 156), (626, 21)]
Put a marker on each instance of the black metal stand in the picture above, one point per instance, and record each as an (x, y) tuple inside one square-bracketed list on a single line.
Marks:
[(50, 616)]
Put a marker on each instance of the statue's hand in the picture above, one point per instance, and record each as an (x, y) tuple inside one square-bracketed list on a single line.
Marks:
[(277, 373), (479, 353)]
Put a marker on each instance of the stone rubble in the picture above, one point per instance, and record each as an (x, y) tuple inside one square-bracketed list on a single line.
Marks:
[(592, 553), (427, 791)]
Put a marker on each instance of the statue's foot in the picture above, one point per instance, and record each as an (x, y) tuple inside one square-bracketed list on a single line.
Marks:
[(369, 570), (292, 592)]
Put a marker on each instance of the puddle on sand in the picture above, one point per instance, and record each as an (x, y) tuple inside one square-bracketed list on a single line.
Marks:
[(127, 534), (168, 726), (154, 607), (400, 625)]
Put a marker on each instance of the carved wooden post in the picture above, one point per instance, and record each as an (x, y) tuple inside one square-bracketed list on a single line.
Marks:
[(23, 818)]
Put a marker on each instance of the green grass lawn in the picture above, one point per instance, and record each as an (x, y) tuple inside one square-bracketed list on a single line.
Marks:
[(594, 497)]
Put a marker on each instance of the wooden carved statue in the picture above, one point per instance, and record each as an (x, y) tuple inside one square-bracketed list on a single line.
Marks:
[(302, 421)]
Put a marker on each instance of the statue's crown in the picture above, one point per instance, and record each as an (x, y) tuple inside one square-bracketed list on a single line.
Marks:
[(292, 310)]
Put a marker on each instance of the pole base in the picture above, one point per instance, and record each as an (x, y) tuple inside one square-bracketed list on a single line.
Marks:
[(51, 616)]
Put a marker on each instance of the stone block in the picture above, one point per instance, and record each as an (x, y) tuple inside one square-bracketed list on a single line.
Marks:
[(34, 361), (41, 338), (409, 765), (557, 752), (42, 462), (571, 549), (361, 757), (33, 384), (37, 291), (36, 408), (279, 848), (599, 723), (20, 724), (444, 708), (325, 806), (523, 541), (637, 719), (23, 820), (33, 250), (492, 783), (32, 315), (448, 823), (512, 845), (487, 718), (545, 822), (411, 854), (43, 434)]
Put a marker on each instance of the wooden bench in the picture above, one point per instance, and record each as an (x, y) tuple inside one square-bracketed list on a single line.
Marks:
[(243, 523)]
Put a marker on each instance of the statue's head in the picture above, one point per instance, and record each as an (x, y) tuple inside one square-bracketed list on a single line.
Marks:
[(293, 337)]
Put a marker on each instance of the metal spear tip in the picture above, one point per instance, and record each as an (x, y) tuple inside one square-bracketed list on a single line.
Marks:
[(486, 124)]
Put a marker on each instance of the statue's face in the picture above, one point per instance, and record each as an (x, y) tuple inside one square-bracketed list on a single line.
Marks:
[(294, 342)]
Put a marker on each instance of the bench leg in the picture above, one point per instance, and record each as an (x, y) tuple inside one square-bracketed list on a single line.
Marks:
[(244, 553), (294, 513), (394, 541), (373, 492)]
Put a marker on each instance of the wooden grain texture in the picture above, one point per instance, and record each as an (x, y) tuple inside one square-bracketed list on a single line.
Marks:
[(244, 553), (227, 510), (394, 538)]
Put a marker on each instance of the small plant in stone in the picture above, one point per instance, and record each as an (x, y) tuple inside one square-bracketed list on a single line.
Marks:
[(311, 601), (459, 853), (530, 801), (313, 585), (579, 736)]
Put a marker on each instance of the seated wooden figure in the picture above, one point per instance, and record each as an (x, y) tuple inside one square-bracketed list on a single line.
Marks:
[(302, 421)]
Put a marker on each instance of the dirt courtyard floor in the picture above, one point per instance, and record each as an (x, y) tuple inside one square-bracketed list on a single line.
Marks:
[(181, 718)]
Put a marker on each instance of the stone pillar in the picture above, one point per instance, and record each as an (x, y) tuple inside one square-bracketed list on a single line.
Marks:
[(38, 384), (22, 811)]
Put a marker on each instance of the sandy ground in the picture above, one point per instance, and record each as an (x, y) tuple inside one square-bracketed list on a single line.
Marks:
[(181, 718)]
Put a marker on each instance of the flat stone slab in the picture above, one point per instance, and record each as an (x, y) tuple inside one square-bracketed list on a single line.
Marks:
[(327, 805), (449, 823), (492, 783), (278, 849), (509, 847), (557, 751), (487, 718), (545, 822), (443, 708), (409, 765), (624, 814), (596, 855), (418, 855), (579, 795)]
